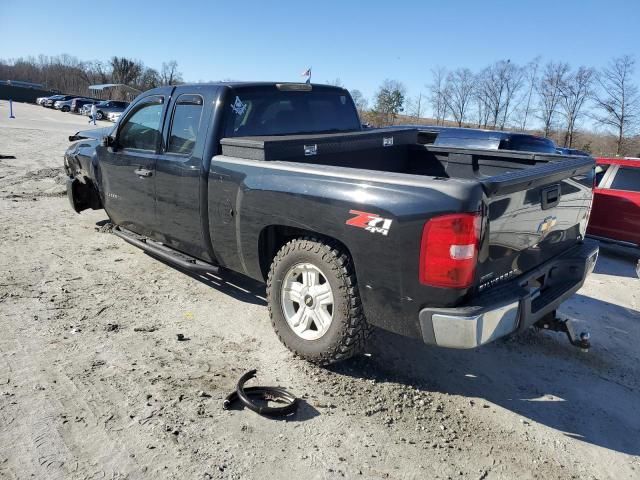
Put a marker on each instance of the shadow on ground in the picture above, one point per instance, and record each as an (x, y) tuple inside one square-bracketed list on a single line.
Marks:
[(537, 375), (230, 283), (617, 262)]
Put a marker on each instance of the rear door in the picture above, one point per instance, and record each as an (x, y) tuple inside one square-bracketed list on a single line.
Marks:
[(616, 211), (128, 168), (179, 171)]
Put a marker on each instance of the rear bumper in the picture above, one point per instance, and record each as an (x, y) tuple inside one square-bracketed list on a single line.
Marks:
[(516, 305)]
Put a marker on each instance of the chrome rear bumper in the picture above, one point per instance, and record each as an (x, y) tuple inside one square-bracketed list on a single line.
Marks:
[(512, 306)]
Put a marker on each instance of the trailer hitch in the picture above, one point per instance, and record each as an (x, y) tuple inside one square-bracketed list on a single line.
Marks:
[(557, 322)]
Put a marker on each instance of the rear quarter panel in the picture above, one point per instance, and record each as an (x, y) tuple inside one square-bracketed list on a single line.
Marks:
[(246, 196)]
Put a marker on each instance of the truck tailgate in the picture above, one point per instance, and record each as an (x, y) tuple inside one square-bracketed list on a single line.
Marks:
[(533, 215)]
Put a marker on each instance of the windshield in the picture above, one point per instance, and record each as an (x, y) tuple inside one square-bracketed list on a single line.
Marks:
[(268, 111)]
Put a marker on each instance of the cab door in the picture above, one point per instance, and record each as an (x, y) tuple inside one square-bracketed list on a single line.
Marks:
[(616, 209), (180, 173), (128, 165)]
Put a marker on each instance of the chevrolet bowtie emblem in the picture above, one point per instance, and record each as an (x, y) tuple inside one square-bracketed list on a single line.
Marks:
[(547, 224)]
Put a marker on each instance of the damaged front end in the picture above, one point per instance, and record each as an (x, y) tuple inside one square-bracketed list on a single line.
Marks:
[(82, 190)]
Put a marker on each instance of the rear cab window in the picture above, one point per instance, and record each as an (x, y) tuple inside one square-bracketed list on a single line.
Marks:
[(185, 122), (262, 111)]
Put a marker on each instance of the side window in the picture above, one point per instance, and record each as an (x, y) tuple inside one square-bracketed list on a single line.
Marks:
[(627, 178), (142, 129), (184, 124)]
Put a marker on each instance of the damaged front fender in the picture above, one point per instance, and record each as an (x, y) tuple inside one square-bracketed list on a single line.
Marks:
[(83, 194)]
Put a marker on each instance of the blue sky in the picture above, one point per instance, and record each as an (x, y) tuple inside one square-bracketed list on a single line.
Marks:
[(362, 43)]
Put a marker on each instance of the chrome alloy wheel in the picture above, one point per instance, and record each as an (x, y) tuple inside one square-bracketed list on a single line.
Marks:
[(307, 301)]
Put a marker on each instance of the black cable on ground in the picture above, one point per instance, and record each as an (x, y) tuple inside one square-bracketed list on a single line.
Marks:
[(246, 396)]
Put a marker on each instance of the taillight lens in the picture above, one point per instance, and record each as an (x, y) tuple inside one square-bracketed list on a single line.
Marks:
[(449, 250)]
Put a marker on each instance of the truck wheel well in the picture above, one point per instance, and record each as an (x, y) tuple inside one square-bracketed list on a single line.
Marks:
[(273, 237), (85, 195)]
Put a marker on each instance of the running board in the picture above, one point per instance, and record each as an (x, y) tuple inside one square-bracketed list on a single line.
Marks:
[(179, 259)]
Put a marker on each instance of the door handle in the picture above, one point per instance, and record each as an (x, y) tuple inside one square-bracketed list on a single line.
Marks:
[(143, 172), (550, 197)]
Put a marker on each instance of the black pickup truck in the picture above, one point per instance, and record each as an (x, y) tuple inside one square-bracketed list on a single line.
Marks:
[(349, 227)]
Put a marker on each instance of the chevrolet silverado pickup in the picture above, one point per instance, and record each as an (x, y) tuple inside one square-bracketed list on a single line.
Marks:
[(349, 228)]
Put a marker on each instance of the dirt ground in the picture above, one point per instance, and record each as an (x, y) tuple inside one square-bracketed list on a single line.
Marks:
[(95, 384)]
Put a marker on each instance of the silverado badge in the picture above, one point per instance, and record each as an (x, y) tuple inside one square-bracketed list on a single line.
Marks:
[(546, 225)]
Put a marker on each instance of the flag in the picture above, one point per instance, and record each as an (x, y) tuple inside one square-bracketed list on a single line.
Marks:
[(307, 73)]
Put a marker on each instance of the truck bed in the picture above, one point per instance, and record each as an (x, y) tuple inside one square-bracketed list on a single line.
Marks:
[(536, 204)]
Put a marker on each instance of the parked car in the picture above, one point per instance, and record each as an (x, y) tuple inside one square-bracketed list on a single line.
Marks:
[(105, 107), (114, 116), (64, 105), (349, 229), (39, 100), (483, 139), (78, 103), (68, 105), (572, 151), (50, 101), (615, 216)]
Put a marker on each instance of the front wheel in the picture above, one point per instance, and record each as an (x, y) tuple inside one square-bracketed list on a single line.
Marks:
[(99, 116), (65, 109), (314, 303)]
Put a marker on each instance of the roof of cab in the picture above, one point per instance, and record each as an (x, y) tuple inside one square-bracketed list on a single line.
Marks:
[(626, 161), (238, 84)]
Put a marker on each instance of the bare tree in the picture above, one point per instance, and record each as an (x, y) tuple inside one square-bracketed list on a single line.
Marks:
[(548, 88), (125, 70), (458, 93), (496, 89), (437, 94), (618, 99), (574, 92), (359, 100), (481, 101), (531, 75), (150, 79), (415, 106), (169, 75)]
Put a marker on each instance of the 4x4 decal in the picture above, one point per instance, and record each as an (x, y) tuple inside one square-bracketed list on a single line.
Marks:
[(370, 222)]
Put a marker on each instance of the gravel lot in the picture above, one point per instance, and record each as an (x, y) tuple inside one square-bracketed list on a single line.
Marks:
[(94, 384)]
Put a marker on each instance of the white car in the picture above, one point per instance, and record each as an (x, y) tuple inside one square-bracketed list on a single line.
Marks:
[(114, 116)]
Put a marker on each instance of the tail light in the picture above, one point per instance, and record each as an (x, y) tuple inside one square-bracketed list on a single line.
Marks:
[(449, 250)]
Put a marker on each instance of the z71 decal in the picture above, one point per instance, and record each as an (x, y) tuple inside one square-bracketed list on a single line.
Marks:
[(370, 222)]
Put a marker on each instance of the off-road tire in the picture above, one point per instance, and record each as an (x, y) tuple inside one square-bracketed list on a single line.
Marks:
[(349, 329)]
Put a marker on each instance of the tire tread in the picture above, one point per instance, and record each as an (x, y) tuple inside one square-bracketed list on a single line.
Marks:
[(356, 329)]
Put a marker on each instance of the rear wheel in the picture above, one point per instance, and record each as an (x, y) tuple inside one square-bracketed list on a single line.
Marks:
[(314, 302)]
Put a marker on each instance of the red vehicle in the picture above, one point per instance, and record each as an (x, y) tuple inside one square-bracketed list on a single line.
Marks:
[(615, 215)]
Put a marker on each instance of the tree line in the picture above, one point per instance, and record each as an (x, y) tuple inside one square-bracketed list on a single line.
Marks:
[(552, 99), (67, 74)]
